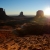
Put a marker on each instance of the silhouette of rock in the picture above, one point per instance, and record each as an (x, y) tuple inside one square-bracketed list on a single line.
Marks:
[(1, 9), (39, 18), (2, 12), (40, 13), (3, 15), (21, 14)]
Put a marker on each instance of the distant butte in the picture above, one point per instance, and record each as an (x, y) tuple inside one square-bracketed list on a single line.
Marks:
[(40, 13), (3, 15), (21, 14)]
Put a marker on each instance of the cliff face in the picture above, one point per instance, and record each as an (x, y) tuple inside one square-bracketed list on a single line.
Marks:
[(3, 15)]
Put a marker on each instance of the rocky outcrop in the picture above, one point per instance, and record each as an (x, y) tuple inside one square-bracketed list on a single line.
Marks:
[(3, 15), (21, 14), (40, 13)]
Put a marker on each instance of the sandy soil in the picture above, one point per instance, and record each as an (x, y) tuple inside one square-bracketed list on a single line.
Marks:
[(9, 41)]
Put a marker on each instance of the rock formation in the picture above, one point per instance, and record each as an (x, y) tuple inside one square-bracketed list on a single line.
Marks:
[(39, 18), (21, 14), (2, 14), (40, 13)]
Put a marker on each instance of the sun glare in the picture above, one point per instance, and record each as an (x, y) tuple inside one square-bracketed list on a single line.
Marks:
[(47, 11)]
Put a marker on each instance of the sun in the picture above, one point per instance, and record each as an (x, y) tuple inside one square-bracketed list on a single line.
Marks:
[(47, 11)]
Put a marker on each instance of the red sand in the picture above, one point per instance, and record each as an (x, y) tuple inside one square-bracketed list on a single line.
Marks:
[(9, 41)]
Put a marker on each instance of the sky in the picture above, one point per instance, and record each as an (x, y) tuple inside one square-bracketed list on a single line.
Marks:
[(29, 7)]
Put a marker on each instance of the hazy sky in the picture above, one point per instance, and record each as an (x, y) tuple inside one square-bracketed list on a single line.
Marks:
[(29, 7)]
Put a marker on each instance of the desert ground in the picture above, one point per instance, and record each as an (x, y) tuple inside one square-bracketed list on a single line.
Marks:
[(11, 41)]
